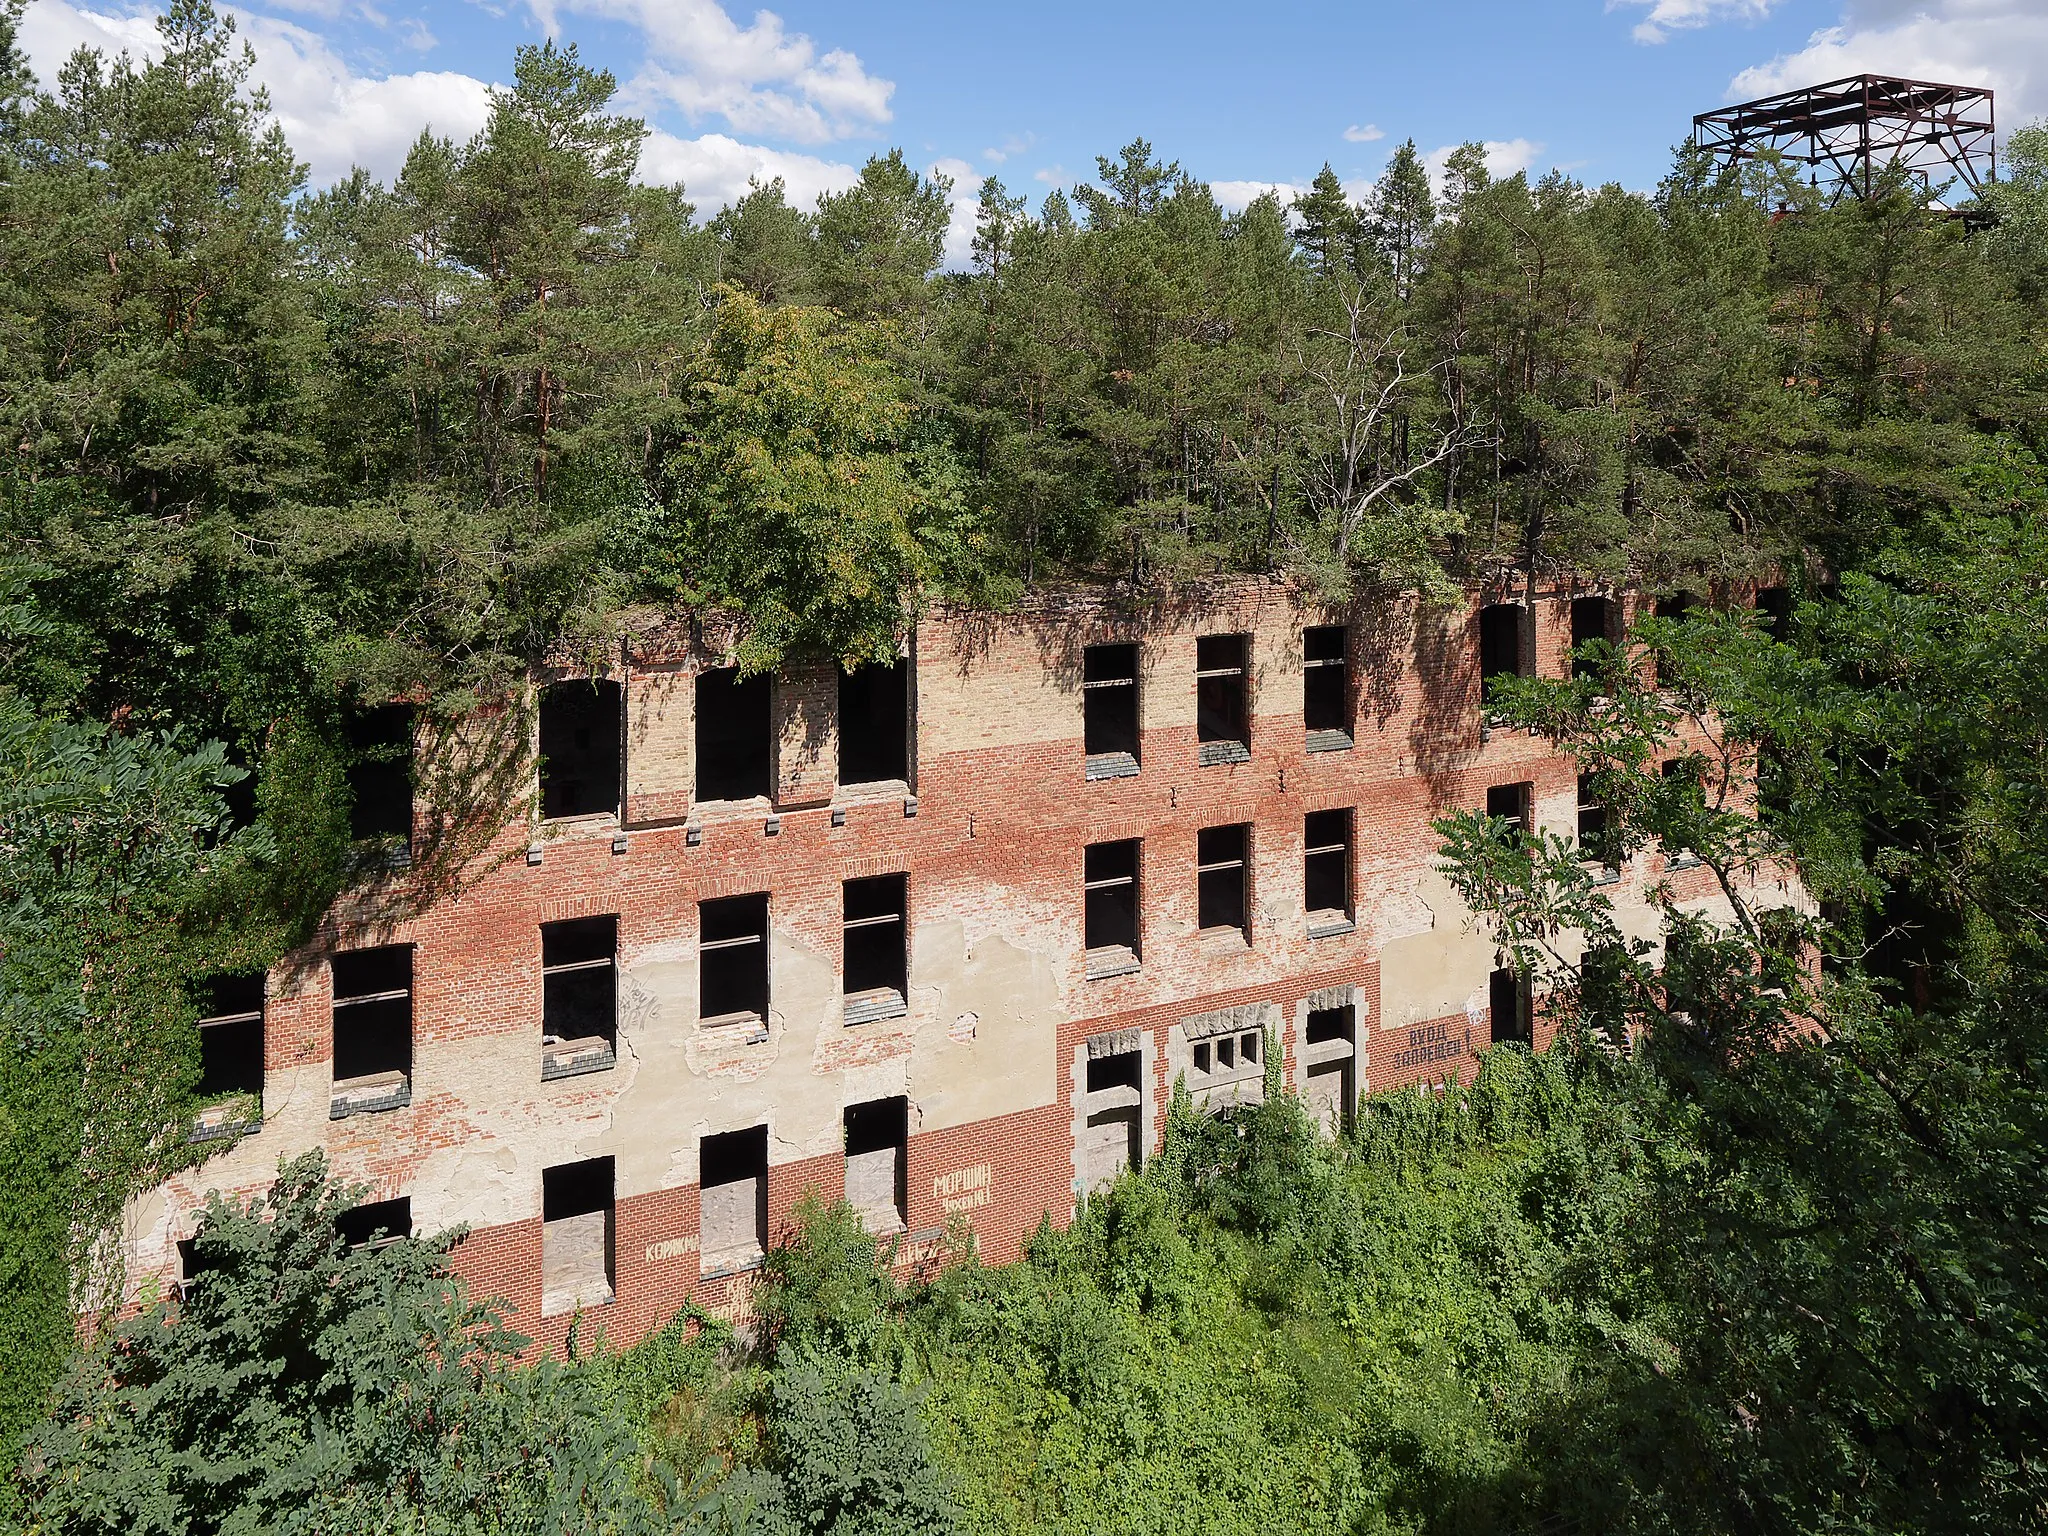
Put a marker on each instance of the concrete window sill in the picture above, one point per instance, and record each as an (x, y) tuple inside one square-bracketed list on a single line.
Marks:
[(1223, 940), (731, 1261), (751, 1026), (874, 1005), (1216, 754), (1329, 925), (1112, 765), (575, 1058), (1112, 960), (588, 1294), (369, 1095), (1330, 741)]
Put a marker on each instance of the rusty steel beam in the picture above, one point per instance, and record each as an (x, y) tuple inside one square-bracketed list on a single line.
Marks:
[(1860, 123)]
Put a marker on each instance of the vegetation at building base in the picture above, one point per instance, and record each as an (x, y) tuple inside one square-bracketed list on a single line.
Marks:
[(277, 454)]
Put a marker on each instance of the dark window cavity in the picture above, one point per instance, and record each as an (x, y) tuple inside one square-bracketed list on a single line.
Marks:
[(582, 739), (1109, 710), (1223, 698), (1326, 688), (1673, 608), (1221, 870), (231, 1036), (733, 1197), (1109, 876), (732, 959), (1330, 1052), (734, 736), (1775, 604), (875, 960), (579, 978), (372, 1029), (1592, 821), (876, 1137), (1501, 649), (1508, 1007), (874, 724), (1593, 618), (375, 1223), (380, 772), (1326, 869), (1113, 1120), (577, 1201), (1515, 805)]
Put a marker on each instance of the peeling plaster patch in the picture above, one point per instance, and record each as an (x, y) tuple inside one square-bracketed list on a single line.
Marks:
[(1403, 915)]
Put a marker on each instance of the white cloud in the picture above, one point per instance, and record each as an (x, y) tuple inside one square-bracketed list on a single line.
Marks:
[(759, 78), (2002, 44), (714, 169), (966, 202), (1015, 144), (1504, 157), (1668, 16), (1051, 175), (1236, 196), (1365, 135), (333, 117)]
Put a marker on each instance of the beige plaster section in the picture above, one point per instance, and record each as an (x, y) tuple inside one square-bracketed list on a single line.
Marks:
[(987, 1039), (1434, 971)]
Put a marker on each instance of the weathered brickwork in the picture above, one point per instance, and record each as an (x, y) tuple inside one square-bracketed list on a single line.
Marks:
[(990, 1046)]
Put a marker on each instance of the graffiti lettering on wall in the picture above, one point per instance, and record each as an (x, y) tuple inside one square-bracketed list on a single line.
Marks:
[(964, 1189), (1433, 1042), (671, 1248)]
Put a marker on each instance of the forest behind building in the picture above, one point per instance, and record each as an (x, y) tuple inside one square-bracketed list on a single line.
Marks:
[(1759, 1246)]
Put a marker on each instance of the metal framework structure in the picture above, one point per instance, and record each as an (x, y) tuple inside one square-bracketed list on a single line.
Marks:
[(1853, 127)]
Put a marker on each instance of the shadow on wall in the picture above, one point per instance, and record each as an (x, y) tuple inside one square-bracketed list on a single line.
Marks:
[(1443, 735)]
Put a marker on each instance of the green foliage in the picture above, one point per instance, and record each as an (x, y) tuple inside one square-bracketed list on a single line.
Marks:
[(301, 1386)]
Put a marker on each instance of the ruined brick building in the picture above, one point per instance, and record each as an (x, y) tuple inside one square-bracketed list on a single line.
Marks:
[(939, 937)]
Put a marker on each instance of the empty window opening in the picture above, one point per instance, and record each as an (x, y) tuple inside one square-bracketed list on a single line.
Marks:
[(191, 1265), (1221, 895), (1109, 710), (1673, 608), (732, 960), (1602, 997), (576, 1235), (876, 1137), (1502, 652), (874, 724), (582, 738), (380, 772), (579, 978), (1515, 805), (1593, 841), (375, 1223), (1109, 873), (734, 736), (372, 1030), (1593, 618), (875, 961), (1122, 1069), (1775, 604), (1227, 1069), (1112, 1118), (1326, 688), (1329, 1046), (733, 1197), (1223, 698), (231, 1036), (1326, 870), (1508, 1007)]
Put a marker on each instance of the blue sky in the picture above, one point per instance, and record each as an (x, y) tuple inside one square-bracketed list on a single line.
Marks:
[(1242, 96)]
